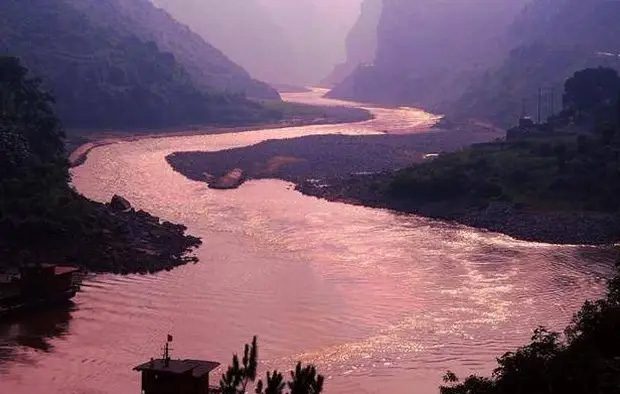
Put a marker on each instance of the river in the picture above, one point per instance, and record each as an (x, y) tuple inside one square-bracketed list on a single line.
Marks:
[(379, 301)]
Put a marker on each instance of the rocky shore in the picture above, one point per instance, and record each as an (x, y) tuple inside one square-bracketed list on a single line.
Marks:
[(112, 237), (355, 169), (556, 227), (322, 156)]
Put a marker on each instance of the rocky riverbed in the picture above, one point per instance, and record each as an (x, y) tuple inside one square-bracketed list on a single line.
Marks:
[(323, 156), (355, 169), (557, 227)]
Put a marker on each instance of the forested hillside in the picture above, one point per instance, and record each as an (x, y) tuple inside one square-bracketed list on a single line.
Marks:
[(104, 76), (552, 40), (42, 219)]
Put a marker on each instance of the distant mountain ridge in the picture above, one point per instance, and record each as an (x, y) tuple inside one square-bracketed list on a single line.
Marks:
[(484, 59), (427, 48), (290, 42), (552, 40), (106, 62), (208, 66)]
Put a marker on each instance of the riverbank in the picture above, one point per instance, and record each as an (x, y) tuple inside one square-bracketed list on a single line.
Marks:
[(80, 142), (100, 238), (567, 228), (360, 170)]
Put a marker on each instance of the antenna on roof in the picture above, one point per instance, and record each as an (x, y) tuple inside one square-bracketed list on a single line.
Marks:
[(167, 350)]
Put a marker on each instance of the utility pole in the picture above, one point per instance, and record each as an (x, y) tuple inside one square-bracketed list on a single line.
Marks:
[(539, 104), (552, 101)]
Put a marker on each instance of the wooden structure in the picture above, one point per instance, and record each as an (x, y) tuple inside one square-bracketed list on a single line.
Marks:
[(168, 376), (37, 285)]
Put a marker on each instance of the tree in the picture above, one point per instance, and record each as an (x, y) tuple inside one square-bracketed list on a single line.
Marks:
[(584, 360), (275, 384), (27, 108), (590, 90), (237, 377), (304, 380)]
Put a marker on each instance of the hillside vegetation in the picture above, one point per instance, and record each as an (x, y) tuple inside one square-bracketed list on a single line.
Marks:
[(550, 41), (585, 359), (43, 220), (107, 70)]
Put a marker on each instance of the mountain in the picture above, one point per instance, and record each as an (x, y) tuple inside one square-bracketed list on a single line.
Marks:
[(551, 40), (243, 29), (361, 42), (427, 48), (105, 63), (280, 41), (207, 66)]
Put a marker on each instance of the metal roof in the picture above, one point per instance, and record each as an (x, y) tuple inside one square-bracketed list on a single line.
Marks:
[(198, 368)]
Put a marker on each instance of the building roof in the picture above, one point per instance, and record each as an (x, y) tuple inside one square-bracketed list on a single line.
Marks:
[(197, 368), (65, 269)]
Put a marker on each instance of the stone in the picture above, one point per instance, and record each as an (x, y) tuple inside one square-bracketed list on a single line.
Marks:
[(119, 203)]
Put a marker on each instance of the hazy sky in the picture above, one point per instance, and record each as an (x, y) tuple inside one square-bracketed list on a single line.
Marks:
[(285, 41)]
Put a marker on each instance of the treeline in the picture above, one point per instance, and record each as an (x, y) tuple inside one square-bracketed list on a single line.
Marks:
[(42, 219), (570, 163)]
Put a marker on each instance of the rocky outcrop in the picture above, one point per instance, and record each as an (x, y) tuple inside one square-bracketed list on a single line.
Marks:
[(231, 180), (428, 49), (119, 203), (293, 42), (484, 60), (361, 42)]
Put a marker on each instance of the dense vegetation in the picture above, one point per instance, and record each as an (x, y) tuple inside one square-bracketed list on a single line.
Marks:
[(549, 170), (43, 220), (584, 360), (104, 74), (239, 375)]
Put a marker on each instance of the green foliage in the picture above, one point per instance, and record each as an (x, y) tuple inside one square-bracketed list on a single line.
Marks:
[(547, 171), (586, 359), (237, 377), (592, 90), (560, 173), (42, 219), (304, 380)]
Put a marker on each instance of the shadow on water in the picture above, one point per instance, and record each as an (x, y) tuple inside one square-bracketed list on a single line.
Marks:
[(33, 330)]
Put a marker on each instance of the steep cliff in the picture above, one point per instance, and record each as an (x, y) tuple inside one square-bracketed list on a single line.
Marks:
[(361, 42), (551, 40), (428, 48), (484, 59)]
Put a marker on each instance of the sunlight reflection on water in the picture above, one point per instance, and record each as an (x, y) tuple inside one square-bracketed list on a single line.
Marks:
[(382, 302)]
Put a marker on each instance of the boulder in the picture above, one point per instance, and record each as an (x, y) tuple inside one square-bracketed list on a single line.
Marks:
[(119, 203)]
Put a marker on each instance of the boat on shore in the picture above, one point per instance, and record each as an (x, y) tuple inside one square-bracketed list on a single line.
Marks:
[(36, 286)]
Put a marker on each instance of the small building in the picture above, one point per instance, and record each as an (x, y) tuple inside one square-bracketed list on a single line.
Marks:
[(526, 128), (38, 285), (168, 376)]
